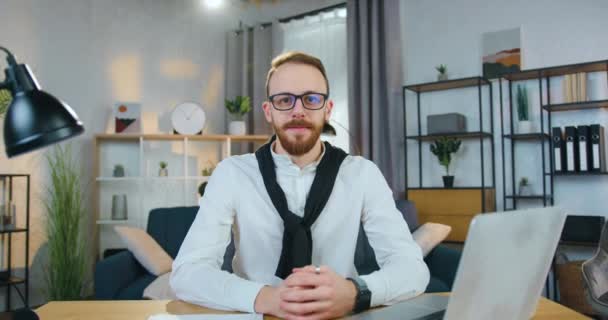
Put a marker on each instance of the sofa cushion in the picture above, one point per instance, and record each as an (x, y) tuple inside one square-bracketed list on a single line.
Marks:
[(169, 226), (436, 285), (429, 235), (145, 249), (135, 290), (160, 289)]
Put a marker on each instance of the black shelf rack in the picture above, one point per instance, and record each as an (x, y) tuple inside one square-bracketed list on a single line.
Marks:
[(14, 282), (547, 108), (482, 135)]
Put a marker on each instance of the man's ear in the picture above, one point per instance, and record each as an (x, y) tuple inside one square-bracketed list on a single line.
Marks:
[(267, 109), (328, 109)]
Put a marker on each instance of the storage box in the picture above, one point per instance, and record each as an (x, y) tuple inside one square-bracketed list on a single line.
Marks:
[(446, 123)]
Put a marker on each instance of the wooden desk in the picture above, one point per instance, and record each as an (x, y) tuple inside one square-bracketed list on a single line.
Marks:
[(142, 309)]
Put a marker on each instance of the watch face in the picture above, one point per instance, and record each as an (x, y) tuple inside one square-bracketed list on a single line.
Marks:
[(188, 118)]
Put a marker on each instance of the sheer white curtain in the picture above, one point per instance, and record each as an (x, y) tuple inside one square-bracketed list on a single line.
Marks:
[(324, 36)]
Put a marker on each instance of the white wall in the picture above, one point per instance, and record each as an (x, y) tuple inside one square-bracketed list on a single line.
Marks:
[(554, 32)]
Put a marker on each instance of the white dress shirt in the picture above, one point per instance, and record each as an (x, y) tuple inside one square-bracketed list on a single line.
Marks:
[(236, 199)]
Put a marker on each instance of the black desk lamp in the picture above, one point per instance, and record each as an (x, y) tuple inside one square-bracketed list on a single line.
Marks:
[(34, 118)]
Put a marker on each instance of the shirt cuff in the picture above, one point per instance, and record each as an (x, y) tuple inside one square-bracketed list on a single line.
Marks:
[(376, 286), (246, 294)]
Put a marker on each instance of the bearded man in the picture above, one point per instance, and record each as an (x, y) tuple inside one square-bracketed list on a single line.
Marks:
[(294, 208)]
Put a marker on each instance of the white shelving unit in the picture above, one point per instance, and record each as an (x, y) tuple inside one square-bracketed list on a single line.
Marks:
[(140, 155)]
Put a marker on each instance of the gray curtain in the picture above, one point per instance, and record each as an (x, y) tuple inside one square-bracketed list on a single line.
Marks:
[(374, 88), (248, 57)]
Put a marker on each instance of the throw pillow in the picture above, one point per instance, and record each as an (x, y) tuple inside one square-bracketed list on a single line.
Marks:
[(160, 289), (429, 235), (145, 249)]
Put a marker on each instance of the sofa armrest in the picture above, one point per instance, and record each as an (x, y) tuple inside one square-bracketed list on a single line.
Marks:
[(115, 273), (443, 263)]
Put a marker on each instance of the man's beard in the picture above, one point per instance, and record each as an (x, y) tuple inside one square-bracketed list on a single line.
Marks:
[(298, 145)]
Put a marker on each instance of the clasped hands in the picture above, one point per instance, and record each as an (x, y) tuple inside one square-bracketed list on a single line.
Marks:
[(308, 295)]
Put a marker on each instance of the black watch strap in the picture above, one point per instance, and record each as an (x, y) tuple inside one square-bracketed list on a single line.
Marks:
[(364, 296)]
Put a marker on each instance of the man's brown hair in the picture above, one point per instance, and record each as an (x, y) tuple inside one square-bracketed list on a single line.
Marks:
[(296, 57)]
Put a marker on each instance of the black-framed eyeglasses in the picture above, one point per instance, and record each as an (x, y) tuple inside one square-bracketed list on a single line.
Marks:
[(286, 101)]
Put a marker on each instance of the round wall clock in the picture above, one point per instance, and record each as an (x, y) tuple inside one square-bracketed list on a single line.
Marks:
[(188, 118)]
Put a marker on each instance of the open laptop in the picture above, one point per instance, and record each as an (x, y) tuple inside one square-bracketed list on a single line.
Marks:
[(501, 274)]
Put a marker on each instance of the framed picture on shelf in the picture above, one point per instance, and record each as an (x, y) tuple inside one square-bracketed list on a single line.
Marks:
[(127, 117)]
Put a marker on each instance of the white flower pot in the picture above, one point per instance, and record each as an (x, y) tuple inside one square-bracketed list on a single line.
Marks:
[(237, 128), (525, 126)]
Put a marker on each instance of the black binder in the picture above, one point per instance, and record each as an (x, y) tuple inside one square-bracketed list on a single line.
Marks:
[(582, 133), (572, 161), (598, 148), (559, 151)]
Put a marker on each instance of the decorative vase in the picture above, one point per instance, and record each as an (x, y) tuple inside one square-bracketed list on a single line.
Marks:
[(525, 126), (448, 181), (119, 172), (237, 128), (119, 207), (442, 77), (525, 190), (163, 172)]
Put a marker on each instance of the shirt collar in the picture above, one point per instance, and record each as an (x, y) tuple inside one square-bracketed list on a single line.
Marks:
[(284, 161)]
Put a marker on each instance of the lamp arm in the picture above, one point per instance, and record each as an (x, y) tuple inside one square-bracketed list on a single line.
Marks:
[(352, 139), (10, 58)]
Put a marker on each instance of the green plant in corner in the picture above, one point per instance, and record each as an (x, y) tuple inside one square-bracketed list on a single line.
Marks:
[(522, 103), (523, 181), (65, 273), (443, 149), (5, 101), (238, 107), (163, 165), (442, 68)]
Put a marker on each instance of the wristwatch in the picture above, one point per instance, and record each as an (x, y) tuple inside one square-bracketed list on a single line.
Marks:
[(364, 296)]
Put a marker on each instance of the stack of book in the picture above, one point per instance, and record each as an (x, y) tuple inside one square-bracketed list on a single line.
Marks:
[(575, 87)]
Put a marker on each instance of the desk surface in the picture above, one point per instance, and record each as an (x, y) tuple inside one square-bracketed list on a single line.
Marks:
[(142, 309)]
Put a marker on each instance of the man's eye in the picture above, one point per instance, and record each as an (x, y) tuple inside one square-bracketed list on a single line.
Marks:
[(312, 99)]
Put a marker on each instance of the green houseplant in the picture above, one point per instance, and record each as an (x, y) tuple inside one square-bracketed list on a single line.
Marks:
[(65, 273), (5, 100), (163, 171), (443, 72), (119, 171), (238, 107), (443, 148), (523, 115)]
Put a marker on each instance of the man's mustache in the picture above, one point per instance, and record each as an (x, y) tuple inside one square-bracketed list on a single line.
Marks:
[(298, 124)]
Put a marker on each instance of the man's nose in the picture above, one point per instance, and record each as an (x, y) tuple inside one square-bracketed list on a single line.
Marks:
[(298, 108)]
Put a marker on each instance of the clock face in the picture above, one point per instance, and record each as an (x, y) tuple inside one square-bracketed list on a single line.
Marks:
[(188, 118)]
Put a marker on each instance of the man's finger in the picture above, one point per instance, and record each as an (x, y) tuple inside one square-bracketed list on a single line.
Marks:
[(311, 269), (306, 308), (305, 279), (306, 295)]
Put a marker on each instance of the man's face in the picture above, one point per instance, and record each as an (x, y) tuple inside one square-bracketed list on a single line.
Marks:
[(297, 129)]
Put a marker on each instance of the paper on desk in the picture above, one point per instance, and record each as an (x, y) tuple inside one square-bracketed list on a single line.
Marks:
[(246, 316)]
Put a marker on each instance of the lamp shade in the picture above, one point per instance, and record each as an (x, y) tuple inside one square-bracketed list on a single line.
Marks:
[(36, 119)]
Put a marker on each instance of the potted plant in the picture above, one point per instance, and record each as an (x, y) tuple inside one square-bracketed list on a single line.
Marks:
[(238, 107), (65, 223), (523, 115), (524, 187), (163, 171), (5, 100), (119, 171), (443, 72), (443, 149)]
